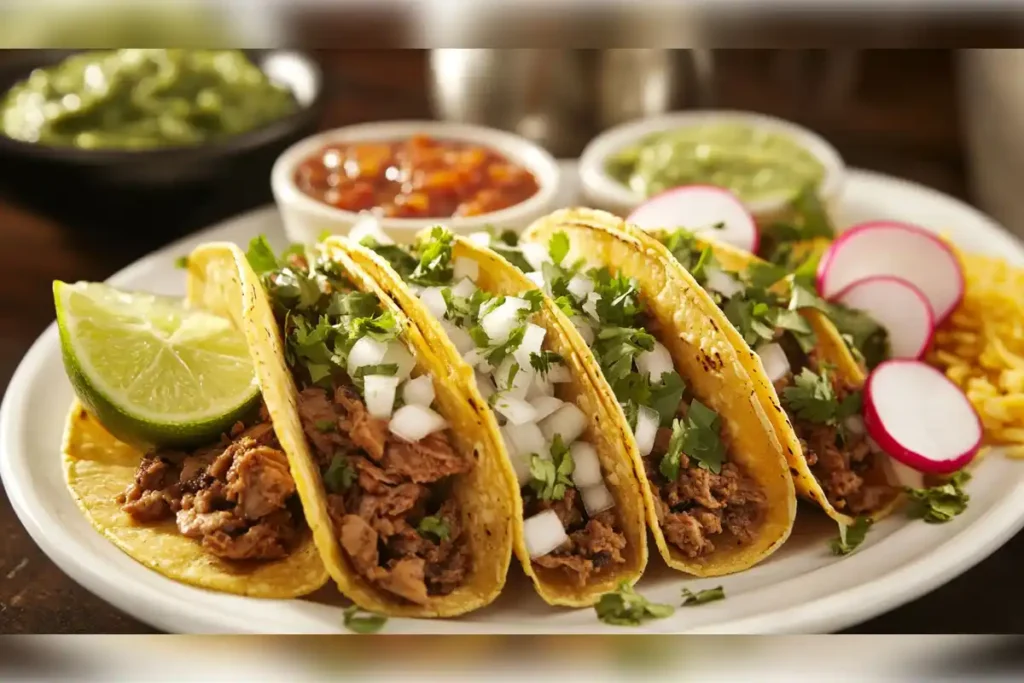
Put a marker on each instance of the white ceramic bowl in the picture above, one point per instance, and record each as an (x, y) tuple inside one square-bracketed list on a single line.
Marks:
[(604, 192), (305, 218)]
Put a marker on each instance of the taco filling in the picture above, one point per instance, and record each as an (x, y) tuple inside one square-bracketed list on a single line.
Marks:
[(236, 497), (385, 456), (823, 407), (571, 525), (701, 498)]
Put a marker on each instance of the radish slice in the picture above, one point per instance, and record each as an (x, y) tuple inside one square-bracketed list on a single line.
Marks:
[(419, 391), (646, 430), (587, 466), (380, 393), (543, 533), (899, 307), (463, 267), (597, 498), (904, 251), (413, 422), (569, 422), (699, 208), (920, 418), (773, 358), (545, 405)]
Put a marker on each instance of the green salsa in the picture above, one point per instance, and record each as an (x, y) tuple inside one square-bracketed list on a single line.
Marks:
[(754, 163), (137, 99)]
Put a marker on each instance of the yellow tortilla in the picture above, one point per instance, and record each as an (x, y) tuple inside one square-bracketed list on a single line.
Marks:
[(705, 359), (486, 499), (608, 431), (831, 348)]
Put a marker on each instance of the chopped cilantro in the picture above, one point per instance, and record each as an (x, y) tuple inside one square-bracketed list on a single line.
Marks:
[(339, 476), (753, 319), (703, 440), (558, 247), (939, 504), (762, 274), (702, 597), (181, 262), (513, 255), (435, 264), (435, 526), (666, 395), (326, 425), (864, 334), (670, 462), (261, 256), (625, 607), (850, 537), (542, 362), (359, 304), (550, 477), (363, 621), (619, 300), (813, 398)]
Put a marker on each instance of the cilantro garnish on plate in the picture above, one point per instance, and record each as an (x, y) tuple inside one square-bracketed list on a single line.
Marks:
[(939, 504), (625, 607), (363, 621), (692, 599)]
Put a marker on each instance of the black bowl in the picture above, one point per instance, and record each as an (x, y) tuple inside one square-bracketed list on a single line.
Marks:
[(106, 184)]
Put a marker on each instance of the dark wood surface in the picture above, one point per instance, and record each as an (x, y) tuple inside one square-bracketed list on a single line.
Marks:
[(896, 114)]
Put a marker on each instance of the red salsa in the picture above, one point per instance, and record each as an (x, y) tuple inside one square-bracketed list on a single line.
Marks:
[(419, 177)]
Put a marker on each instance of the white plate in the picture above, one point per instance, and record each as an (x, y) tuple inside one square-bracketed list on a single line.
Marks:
[(802, 588)]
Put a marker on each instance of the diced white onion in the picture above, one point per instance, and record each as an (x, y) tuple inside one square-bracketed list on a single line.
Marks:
[(539, 387), (543, 533), (521, 466), (584, 328), (533, 340), (465, 288), (580, 286), (481, 239), (655, 363), (544, 406), (525, 439), (520, 381), (559, 374), (413, 422), (465, 267), (721, 282), (646, 429), (535, 254), (516, 411), (398, 355), (537, 278), (484, 385), (379, 392), (499, 322), (475, 358), (590, 305), (597, 499), (774, 360), (368, 225), (459, 337), (568, 421), (434, 301), (419, 391), (906, 476), (366, 351), (587, 470), (854, 424)]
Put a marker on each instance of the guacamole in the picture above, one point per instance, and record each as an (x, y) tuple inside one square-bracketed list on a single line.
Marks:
[(753, 162), (137, 99)]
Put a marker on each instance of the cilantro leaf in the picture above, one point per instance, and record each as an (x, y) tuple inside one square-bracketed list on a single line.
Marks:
[(666, 395), (762, 274), (260, 255), (550, 477), (850, 537), (702, 440), (702, 597), (670, 462), (435, 264), (542, 362), (326, 426), (513, 255), (435, 526), (398, 257), (619, 300), (863, 333), (340, 475), (558, 247), (625, 607), (939, 504), (363, 621), (812, 397)]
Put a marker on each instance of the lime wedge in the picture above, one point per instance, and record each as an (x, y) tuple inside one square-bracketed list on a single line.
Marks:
[(153, 372)]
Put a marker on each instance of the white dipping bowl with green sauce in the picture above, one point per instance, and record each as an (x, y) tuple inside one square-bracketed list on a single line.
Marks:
[(764, 160)]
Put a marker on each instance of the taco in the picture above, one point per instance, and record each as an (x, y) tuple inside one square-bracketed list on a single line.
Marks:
[(580, 527), (718, 493), (805, 374), (224, 515), (409, 504)]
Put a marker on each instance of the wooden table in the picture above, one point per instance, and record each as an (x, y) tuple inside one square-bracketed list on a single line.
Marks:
[(36, 597)]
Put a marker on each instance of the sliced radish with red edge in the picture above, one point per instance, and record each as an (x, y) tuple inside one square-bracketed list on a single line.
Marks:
[(698, 208), (899, 307), (898, 250), (920, 418)]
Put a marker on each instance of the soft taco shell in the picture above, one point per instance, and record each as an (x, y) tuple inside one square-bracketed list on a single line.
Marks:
[(485, 496), (607, 431), (707, 361)]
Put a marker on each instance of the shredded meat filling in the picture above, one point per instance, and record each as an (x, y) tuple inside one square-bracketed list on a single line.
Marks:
[(237, 498), (840, 460), (380, 517)]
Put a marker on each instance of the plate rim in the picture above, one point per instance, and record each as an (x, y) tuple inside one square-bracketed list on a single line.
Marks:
[(951, 557)]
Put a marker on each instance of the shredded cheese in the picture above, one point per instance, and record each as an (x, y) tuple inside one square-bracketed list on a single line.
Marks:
[(981, 348)]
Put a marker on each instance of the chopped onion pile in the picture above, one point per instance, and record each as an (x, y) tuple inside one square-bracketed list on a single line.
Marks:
[(379, 391), (588, 467), (499, 321)]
